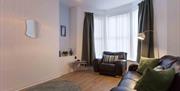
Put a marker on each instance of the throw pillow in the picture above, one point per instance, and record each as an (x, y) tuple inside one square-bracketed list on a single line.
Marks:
[(105, 58), (155, 80), (110, 58), (116, 58), (147, 63)]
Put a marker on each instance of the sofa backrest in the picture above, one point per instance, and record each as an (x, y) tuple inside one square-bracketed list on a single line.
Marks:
[(167, 61), (176, 65)]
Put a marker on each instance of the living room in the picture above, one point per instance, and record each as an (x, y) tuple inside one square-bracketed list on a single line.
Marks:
[(68, 45)]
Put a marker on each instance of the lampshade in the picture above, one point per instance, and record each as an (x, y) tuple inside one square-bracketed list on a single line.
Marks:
[(141, 36)]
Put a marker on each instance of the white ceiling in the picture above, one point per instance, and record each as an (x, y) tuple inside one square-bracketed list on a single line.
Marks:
[(96, 4)]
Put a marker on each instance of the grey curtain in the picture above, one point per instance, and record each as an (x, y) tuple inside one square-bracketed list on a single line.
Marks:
[(88, 51), (146, 25)]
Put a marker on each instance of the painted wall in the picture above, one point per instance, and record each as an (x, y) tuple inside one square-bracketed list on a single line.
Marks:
[(77, 19), (160, 27), (167, 29), (23, 61), (65, 20), (173, 33)]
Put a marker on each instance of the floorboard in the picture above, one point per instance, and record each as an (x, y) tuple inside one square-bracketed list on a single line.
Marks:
[(91, 81)]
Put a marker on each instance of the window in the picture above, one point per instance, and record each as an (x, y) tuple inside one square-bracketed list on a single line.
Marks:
[(117, 34)]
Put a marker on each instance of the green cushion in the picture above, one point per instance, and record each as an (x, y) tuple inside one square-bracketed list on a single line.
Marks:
[(155, 80), (147, 63)]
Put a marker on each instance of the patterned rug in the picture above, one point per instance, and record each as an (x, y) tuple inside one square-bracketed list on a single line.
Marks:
[(60, 85)]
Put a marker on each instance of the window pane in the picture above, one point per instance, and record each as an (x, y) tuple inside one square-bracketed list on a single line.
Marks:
[(99, 28)]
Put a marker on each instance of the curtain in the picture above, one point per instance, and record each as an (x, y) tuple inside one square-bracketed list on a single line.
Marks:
[(88, 53), (116, 34), (146, 25)]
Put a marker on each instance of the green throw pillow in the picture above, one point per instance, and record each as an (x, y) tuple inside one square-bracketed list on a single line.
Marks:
[(155, 80), (147, 63)]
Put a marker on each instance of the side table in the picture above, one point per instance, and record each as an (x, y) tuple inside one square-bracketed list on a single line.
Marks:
[(80, 65)]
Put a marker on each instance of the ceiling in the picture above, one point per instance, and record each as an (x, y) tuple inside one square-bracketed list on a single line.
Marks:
[(96, 4)]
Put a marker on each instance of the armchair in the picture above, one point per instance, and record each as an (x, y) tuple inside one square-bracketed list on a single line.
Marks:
[(114, 66)]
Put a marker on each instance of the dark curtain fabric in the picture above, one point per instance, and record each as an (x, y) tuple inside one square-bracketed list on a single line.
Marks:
[(88, 51), (146, 25)]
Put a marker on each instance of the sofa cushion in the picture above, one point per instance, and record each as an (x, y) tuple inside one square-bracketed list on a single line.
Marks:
[(132, 75), (107, 66), (155, 80), (167, 61), (147, 63)]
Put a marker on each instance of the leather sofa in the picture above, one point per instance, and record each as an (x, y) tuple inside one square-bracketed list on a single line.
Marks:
[(110, 68), (130, 79)]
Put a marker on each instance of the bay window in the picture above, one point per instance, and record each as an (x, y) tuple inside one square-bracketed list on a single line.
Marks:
[(116, 33)]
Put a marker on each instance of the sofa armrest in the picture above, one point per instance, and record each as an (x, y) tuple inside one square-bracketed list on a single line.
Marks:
[(118, 68), (122, 88), (115, 89), (96, 63), (133, 67)]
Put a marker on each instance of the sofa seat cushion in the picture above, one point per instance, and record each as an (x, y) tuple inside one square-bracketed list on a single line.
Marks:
[(128, 83), (132, 75), (107, 66), (122, 89)]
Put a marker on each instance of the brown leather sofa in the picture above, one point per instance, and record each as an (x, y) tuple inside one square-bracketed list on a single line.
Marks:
[(129, 80), (110, 68)]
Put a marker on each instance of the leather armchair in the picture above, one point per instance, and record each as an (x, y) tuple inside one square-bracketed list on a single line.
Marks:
[(112, 68)]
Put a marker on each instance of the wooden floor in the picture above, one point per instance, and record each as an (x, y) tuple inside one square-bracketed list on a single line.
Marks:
[(91, 81)]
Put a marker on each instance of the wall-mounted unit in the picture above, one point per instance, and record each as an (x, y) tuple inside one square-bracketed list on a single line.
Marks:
[(31, 28)]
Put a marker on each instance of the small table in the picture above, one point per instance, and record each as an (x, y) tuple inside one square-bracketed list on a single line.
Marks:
[(80, 65)]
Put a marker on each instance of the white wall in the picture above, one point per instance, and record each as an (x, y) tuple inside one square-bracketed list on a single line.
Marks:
[(65, 20), (173, 33), (167, 29), (77, 19), (73, 29), (23, 61), (160, 27)]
